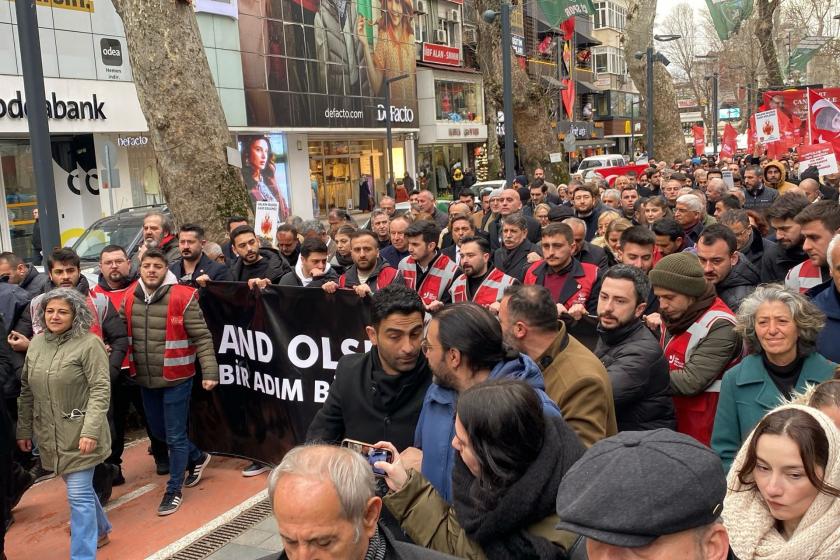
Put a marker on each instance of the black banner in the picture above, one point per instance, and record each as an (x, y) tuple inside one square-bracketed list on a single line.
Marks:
[(277, 351)]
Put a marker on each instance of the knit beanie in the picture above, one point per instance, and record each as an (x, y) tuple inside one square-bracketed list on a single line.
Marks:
[(681, 273)]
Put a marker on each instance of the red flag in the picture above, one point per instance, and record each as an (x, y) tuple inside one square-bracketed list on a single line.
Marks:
[(610, 173), (751, 135), (823, 121), (699, 140), (729, 145), (568, 27), (568, 95)]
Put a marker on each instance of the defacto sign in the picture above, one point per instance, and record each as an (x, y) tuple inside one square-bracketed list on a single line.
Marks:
[(398, 114), (74, 106)]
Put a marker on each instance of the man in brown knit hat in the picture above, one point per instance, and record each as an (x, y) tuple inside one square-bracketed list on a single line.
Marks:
[(698, 340)]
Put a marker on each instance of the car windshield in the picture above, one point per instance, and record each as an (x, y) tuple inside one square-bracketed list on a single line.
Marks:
[(590, 164), (110, 231)]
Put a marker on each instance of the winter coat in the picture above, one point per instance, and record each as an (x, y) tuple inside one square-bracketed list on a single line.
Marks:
[(35, 282), (738, 284), (436, 425), (14, 302), (277, 266), (527, 506), (150, 315), (9, 382), (828, 301), (594, 254), (777, 262), (514, 262), (639, 375), (747, 393), (761, 198), (216, 271), (357, 408), (494, 229), (756, 248), (66, 375), (578, 382)]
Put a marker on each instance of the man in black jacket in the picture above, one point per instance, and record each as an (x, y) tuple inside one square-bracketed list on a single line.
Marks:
[(256, 265), (24, 275), (194, 268), (637, 368), (788, 251), (312, 269), (733, 276), (510, 202), (377, 396), (516, 253)]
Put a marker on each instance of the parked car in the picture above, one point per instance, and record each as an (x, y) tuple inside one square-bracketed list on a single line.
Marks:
[(587, 167)]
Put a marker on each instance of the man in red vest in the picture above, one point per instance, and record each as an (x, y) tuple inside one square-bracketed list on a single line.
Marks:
[(167, 335), (573, 284), (698, 339), (369, 272), (480, 283), (426, 270)]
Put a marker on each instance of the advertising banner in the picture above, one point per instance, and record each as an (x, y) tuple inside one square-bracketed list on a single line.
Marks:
[(767, 126), (264, 171), (277, 351), (821, 156), (327, 64)]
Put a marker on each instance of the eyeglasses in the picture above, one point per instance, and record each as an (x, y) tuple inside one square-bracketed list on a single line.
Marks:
[(425, 346)]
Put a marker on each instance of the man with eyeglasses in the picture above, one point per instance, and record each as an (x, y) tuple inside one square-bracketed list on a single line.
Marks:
[(115, 278)]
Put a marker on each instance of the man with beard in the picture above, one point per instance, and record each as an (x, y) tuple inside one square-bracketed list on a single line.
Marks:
[(194, 268), (787, 251), (574, 377), (510, 202), (654, 179), (629, 196), (259, 266), (369, 272), (516, 253), (312, 269), (698, 340), (758, 196), (588, 208), (426, 269), (775, 177), (288, 243), (398, 248), (461, 226), (115, 278), (733, 276), (23, 275), (632, 355), (377, 395), (168, 335), (379, 225), (818, 223), (670, 238), (157, 234), (231, 223), (573, 285), (480, 283), (464, 347)]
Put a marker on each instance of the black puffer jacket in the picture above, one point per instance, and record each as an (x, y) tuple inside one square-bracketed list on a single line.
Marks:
[(739, 283), (639, 375)]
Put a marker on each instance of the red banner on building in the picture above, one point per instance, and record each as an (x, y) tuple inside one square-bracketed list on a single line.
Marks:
[(699, 140), (441, 54)]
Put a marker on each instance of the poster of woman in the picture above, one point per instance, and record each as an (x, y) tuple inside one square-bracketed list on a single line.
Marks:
[(264, 171), (393, 53)]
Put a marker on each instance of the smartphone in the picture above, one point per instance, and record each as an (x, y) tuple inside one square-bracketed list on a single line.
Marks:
[(371, 453)]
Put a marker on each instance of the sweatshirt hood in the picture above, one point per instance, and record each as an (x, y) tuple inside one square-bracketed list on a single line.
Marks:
[(778, 165), (299, 272), (521, 368)]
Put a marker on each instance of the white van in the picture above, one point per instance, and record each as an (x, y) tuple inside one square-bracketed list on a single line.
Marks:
[(588, 166)]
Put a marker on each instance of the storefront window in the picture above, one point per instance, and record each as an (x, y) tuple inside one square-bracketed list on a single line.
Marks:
[(436, 165), (145, 183), (346, 172), (17, 185), (457, 101)]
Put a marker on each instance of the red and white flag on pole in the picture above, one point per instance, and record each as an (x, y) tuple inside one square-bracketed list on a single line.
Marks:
[(610, 173), (699, 140), (823, 121), (730, 141)]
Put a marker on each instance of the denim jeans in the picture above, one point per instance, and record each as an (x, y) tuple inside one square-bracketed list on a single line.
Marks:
[(167, 413), (87, 518)]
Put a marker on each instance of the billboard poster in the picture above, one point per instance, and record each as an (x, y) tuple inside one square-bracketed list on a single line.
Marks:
[(264, 170), (326, 64)]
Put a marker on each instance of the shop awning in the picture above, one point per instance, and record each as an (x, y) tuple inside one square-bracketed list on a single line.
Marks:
[(599, 143), (584, 40), (582, 87)]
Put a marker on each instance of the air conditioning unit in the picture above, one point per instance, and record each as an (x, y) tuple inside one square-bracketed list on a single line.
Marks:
[(421, 7), (440, 36), (455, 15), (470, 35)]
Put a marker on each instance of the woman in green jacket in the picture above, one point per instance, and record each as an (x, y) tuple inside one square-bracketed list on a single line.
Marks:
[(780, 328), (63, 406), (507, 470)]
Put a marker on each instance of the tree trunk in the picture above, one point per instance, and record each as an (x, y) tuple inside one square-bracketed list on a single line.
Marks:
[(668, 139), (182, 108), (764, 35)]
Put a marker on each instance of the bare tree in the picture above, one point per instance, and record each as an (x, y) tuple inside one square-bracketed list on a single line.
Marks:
[(764, 33), (815, 18), (182, 108), (668, 139)]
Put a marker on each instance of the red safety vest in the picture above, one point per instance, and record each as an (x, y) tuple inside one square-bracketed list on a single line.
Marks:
[(97, 304), (441, 273), (490, 291), (384, 278), (803, 277), (584, 275), (117, 297), (179, 354), (696, 415)]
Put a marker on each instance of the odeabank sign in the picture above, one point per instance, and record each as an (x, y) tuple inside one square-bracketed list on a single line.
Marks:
[(57, 109)]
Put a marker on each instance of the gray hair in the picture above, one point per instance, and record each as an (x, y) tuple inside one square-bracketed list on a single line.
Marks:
[(376, 213), (349, 473), (517, 220), (808, 318), (732, 217), (310, 226), (692, 202), (831, 246), (572, 222), (165, 221), (611, 193), (716, 184), (82, 315), (212, 250)]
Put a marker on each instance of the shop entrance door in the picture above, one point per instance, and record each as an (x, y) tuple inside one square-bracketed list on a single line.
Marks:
[(17, 187)]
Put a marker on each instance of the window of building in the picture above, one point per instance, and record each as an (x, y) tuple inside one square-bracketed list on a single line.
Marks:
[(609, 60), (420, 29), (609, 14), (457, 101)]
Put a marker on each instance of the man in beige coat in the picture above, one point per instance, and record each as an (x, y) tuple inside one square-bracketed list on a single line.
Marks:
[(574, 377)]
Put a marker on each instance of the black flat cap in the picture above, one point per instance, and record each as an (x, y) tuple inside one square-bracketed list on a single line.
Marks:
[(559, 213), (630, 489)]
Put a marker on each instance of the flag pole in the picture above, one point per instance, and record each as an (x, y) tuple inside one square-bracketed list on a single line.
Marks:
[(810, 133)]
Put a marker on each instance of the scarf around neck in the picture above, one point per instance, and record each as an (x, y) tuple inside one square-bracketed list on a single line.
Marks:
[(694, 311)]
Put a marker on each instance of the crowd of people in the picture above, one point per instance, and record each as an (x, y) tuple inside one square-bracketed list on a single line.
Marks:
[(642, 369)]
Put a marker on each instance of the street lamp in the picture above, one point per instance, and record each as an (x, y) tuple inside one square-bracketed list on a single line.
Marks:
[(650, 57), (388, 134), (715, 81), (507, 88)]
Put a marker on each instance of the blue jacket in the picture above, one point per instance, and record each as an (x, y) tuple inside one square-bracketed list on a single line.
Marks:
[(436, 426), (828, 300), (747, 393)]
